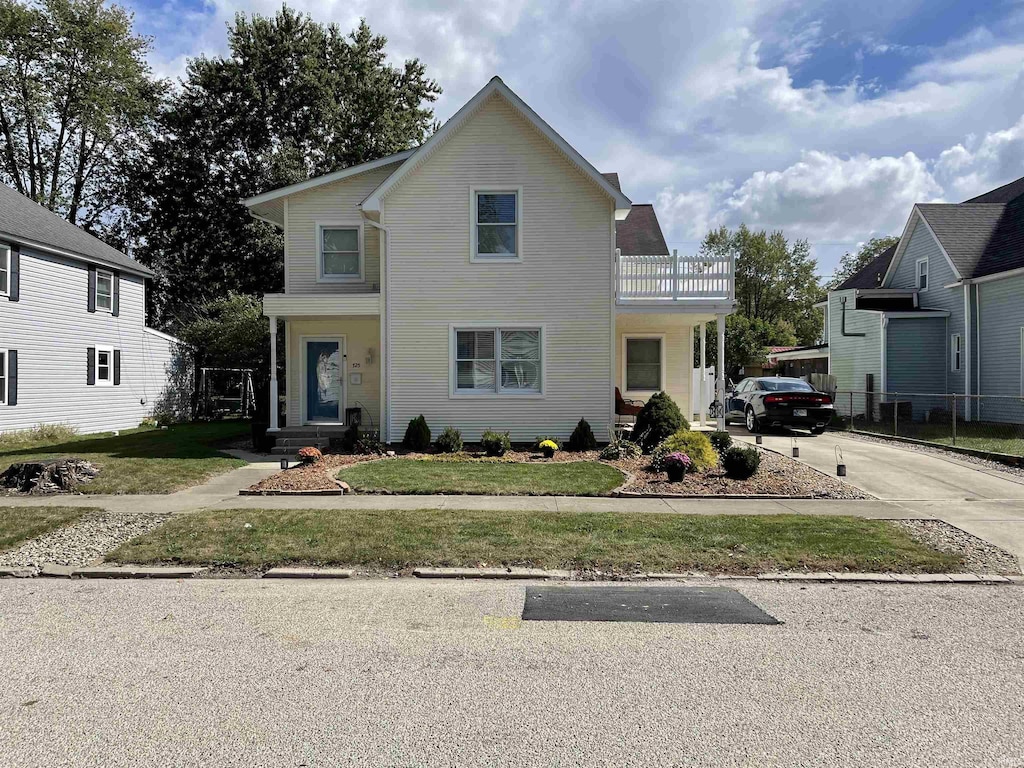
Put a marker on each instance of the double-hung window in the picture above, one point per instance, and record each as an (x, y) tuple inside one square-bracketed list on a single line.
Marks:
[(922, 274), (104, 366), (340, 253), (955, 352), (104, 290), (505, 361), (5, 270), (644, 362), (3, 376), (496, 218)]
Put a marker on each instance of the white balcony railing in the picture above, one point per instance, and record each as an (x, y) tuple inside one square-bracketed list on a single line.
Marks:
[(675, 278)]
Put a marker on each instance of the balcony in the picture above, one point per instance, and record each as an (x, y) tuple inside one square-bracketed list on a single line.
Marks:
[(676, 283)]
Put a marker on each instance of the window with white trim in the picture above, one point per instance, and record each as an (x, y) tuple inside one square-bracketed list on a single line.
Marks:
[(496, 225), (104, 366), (921, 280), (104, 290), (5, 270), (503, 361), (955, 352), (644, 363), (341, 257), (4, 376)]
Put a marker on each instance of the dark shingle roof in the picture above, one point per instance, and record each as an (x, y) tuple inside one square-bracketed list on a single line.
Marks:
[(967, 232), (613, 179), (639, 234), (22, 219), (1003, 194), (870, 275)]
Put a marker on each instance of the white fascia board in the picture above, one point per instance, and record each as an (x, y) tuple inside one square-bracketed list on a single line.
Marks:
[(371, 205), (328, 178)]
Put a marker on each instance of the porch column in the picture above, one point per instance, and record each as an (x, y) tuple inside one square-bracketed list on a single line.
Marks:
[(703, 375), (720, 384), (273, 376)]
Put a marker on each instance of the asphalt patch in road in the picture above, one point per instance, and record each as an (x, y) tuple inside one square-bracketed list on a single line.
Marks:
[(663, 604)]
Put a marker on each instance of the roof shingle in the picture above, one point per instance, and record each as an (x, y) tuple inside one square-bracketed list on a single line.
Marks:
[(639, 234), (871, 274)]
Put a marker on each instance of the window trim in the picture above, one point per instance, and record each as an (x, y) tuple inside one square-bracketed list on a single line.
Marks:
[(1022, 362), (5, 376), (476, 258), (321, 276), (956, 353), (5, 265), (109, 382), (454, 393), (663, 373), (96, 292), (918, 273)]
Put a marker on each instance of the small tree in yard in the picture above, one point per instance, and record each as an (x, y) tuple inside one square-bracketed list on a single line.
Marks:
[(417, 434), (582, 438), (659, 418)]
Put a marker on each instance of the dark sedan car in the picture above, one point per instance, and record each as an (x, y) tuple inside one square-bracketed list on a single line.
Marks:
[(776, 401)]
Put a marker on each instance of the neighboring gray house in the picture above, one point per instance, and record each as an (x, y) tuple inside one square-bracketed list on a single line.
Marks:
[(941, 312), (74, 346)]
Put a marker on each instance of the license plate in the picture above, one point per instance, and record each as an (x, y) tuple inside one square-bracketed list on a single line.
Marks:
[(799, 411)]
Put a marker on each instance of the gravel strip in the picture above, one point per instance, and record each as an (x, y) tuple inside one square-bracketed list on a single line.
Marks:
[(979, 556), (84, 542), (993, 466)]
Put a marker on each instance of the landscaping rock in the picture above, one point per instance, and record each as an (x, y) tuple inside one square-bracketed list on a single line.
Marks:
[(978, 555), (49, 476), (83, 542)]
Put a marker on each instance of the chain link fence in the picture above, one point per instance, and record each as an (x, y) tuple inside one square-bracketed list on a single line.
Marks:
[(985, 423)]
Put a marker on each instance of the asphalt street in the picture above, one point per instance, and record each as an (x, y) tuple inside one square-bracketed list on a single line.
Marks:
[(403, 672)]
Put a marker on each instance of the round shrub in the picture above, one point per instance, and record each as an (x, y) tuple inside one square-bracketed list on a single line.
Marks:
[(309, 455), (696, 445), (495, 443), (721, 441), (449, 441), (417, 434), (582, 438), (741, 463), (658, 419)]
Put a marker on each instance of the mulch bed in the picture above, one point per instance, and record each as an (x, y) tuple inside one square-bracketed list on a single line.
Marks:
[(777, 476)]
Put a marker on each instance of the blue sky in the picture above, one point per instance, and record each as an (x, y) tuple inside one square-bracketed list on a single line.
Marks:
[(827, 120)]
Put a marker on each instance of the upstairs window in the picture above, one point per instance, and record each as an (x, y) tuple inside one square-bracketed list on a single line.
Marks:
[(496, 222), (922, 275), (498, 361), (955, 352), (5, 270), (104, 291), (340, 254)]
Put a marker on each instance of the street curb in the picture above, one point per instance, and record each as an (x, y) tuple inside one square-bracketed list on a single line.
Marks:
[(489, 573), (16, 572), (136, 572), (276, 492), (308, 573), (732, 496)]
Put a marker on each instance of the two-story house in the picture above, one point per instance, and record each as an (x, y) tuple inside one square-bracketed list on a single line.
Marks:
[(479, 280), (940, 312), (74, 346)]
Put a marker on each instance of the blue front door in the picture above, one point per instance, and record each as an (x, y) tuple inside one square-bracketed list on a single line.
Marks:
[(323, 381)]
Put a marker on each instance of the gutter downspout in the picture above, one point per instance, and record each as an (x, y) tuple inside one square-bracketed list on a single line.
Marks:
[(385, 332), (842, 328)]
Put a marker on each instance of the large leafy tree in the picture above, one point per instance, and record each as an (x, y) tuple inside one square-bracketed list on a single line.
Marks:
[(851, 263), (293, 99), (77, 101)]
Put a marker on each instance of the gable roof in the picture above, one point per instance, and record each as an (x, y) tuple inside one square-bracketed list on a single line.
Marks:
[(1003, 194), (25, 222), (371, 205), (871, 274), (639, 234), (965, 231)]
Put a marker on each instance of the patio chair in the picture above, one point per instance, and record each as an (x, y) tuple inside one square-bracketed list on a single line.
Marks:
[(625, 410)]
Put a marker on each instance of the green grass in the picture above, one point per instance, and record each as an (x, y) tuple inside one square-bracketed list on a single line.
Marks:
[(142, 460), (577, 478), (626, 542), (20, 523), (978, 436)]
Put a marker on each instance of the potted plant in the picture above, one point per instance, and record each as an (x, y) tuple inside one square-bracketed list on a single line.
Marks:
[(548, 448), (675, 466)]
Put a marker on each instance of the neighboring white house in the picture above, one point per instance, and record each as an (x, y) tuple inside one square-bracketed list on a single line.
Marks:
[(74, 346), (476, 280)]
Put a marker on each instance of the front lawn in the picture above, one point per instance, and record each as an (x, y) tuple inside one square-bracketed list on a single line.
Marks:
[(397, 540), (1007, 439), (20, 523), (143, 460), (575, 478)]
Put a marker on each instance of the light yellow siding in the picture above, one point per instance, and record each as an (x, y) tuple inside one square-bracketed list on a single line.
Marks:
[(678, 353), (562, 283), (362, 342), (336, 203)]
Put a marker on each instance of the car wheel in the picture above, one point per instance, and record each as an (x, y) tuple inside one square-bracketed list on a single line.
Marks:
[(753, 423)]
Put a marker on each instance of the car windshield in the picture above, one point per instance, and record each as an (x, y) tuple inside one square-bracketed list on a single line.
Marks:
[(785, 385)]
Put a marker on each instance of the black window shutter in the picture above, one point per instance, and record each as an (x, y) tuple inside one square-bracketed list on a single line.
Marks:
[(92, 290), (14, 276), (116, 299), (117, 367), (12, 377), (90, 377)]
